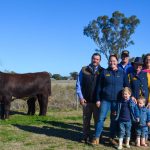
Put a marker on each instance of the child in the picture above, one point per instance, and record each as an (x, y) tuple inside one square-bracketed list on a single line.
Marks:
[(143, 117), (125, 115)]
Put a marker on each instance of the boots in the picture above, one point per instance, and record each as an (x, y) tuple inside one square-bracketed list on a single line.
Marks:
[(127, 142), (138, 141), (143, 143), (120, 143), (95, 141)]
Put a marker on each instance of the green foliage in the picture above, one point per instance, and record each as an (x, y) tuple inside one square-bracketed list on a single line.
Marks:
[(74, 75), (57, 76), (112, 35)]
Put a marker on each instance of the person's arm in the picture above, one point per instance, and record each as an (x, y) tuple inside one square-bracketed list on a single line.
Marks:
[(126, 81), (148, 117), (78, 85), (145, 87), (117, 112), (136, 113)]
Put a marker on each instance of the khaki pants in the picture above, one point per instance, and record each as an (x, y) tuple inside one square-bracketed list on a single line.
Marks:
[(89, 109)]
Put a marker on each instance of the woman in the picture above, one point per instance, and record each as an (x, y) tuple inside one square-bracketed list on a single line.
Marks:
[(147, 69), (138, 84), (110, 85)]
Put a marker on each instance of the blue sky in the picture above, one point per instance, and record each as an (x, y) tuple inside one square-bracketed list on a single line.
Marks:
[(47, 35)]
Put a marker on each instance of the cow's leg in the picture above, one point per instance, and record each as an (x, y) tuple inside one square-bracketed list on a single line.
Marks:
[(31, 105), (43, 101), (2, 110), (7, 101), (40, 104)]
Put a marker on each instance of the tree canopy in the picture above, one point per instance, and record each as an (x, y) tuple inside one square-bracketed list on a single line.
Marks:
[(74, 75), (112, 35)]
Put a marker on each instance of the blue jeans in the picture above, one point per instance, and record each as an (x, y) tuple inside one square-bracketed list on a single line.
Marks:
[(124, 129), (148, 133), (105, 107), (142, 131)]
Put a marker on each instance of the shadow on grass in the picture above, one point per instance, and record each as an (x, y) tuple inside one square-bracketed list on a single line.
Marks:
[(68, 131), (53, 131), (70, 126)]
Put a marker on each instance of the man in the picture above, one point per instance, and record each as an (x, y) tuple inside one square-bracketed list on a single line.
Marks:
[(125, 65), (86, 91)]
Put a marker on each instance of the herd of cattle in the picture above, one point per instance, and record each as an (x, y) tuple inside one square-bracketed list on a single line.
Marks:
[(32, 85)]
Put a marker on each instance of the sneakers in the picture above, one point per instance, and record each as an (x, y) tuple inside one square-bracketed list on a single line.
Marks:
[(127, 142), (127, 146), (138, 142), (120, 143), (119, 147), (143, 142)]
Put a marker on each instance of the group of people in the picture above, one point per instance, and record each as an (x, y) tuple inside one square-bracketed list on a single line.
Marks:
[(124, 90)]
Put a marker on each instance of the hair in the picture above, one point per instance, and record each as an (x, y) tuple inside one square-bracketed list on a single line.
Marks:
[(142, 99), (113, 55), (126, 89), (96, 54), (145, 57)]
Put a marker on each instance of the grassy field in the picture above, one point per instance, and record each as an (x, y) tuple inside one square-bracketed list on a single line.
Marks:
[(58, 130), (61, 129)]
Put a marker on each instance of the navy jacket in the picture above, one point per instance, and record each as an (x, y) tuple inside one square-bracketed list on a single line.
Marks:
[(132, 108), (86, 83), (143, 114), (138, 84), (110, 84)]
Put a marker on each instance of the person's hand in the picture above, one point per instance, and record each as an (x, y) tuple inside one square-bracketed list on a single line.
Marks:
[(98, 103), (148, 124), (138, 119), (82, 102), (134, 99), (148, 105)]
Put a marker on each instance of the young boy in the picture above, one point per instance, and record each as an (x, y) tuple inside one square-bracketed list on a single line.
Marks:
[(125, 116), (143, 118)]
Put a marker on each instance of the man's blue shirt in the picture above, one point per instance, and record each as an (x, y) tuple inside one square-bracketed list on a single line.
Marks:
[(127, 69)]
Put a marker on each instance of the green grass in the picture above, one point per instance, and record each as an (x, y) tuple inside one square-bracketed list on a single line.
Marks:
[(58, 130)]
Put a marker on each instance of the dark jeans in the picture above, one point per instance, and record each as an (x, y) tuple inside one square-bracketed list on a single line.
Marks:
[(124, 129), (105, 107)]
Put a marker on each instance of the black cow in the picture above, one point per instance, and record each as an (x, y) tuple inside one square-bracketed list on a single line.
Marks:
[(35, 85)]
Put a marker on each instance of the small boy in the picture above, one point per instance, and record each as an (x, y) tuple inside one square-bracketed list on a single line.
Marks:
[(143, 118), (125, 116)]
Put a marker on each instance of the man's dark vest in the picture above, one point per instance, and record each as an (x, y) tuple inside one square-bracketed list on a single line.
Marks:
[(89, 80)]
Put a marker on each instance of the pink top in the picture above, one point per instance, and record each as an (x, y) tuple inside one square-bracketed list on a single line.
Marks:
[(147, 70)]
